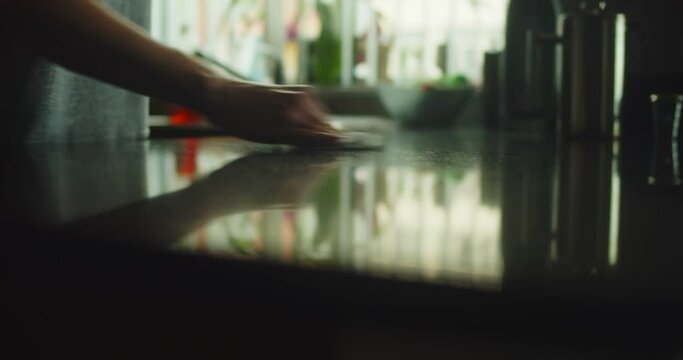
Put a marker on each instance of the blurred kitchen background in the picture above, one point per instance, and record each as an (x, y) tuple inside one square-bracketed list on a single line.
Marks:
[(347, 48), (337, 42)]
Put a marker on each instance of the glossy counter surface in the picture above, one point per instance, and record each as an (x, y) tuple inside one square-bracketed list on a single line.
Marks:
[(476, 217)]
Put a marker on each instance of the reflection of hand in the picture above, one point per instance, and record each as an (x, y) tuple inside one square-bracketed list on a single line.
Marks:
[(265, 180), (249, 183), (268, 114)]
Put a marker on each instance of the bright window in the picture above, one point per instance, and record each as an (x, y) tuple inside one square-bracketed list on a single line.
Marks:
[(336, 42)]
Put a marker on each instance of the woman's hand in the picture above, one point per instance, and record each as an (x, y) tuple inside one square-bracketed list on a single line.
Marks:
[(268, 114)]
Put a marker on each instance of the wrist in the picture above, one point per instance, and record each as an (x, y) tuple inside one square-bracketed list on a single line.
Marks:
[(200, 92), (221, 93), (213, 94), (199, 85)]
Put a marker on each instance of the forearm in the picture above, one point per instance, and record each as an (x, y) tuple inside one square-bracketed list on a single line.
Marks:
[(86, 38)]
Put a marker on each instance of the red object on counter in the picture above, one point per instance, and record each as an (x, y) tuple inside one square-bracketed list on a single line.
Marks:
[(184, 116)]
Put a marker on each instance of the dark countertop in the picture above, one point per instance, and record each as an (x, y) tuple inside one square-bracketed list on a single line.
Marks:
[(442, 231)]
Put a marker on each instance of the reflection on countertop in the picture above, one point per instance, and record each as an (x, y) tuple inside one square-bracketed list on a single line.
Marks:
[(466, 209)]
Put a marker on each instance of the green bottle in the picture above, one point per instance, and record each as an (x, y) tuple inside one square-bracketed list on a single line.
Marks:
[(327, 49)]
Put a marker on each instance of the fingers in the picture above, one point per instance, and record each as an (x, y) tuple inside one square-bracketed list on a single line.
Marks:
[(310, 139), (281, 115), (291, 88), (310, 119), (296, 137), (311, 114), (302, 97)]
